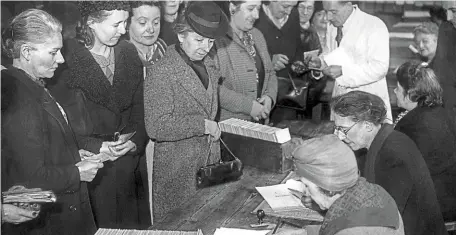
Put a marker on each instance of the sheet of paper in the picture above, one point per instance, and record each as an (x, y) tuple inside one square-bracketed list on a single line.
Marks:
[(280, 198), (237, 231)]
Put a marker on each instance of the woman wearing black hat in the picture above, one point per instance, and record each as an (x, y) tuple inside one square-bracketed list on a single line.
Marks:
[(181, 102), (109, 74)]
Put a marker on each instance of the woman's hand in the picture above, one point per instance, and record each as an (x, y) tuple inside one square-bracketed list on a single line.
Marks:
[(266, 101), (85, 154), (123, 148), (212, 128), (88, 169), (16, 215), (257, 109)]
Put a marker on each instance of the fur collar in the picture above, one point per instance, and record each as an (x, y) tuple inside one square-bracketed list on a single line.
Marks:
[(86, 74)]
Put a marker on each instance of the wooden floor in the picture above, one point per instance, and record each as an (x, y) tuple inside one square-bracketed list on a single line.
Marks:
[(225, 205)]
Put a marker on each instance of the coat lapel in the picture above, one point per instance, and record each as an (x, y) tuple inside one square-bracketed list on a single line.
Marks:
[(214, 77), (87, 75), (377, 143), (192, 84)]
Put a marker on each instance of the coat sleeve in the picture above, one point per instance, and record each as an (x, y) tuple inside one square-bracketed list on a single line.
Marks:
[(271, 89), (25, 134), (74, 104), (162, 123), (136, 120), (374, 68)]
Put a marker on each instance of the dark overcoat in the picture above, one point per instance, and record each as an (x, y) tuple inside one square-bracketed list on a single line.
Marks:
[(444, 65), (432, 131), (395, 163), (176, 104), (41, 152), (111, 108)]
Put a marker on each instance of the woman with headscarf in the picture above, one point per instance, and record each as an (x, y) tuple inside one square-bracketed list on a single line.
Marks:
[(109, 74), (249, 88), (38, 145), (393, 161), (181, 102), (330, 179), (427, 123)]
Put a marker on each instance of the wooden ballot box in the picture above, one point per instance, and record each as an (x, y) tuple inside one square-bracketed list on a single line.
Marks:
[(269, 155)]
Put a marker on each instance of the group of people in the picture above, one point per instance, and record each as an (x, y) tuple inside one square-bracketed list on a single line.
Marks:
[(121, 114)]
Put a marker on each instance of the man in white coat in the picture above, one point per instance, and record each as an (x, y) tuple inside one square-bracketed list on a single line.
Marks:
[(360, 56)]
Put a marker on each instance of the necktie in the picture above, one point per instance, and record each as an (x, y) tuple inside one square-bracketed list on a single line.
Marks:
[(339, 35)]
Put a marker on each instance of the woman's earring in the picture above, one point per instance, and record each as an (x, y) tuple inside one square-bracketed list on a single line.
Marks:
[(232, 12)]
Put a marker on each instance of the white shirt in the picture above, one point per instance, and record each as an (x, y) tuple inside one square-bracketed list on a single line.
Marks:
[(363, 54)]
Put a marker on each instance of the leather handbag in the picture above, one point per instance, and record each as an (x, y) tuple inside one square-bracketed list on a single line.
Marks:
[(297, 93), (220, 172)]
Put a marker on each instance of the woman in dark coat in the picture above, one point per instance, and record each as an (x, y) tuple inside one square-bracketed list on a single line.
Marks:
[(393, 161), (38, 145), (428, 124), (181, 102), (110, 75)]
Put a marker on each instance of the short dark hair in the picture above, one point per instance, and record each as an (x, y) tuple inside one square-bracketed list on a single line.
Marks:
[(420, 83), (360, 106), (438, 12)]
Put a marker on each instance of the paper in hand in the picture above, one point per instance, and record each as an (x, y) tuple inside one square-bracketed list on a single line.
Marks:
[(126, 137)]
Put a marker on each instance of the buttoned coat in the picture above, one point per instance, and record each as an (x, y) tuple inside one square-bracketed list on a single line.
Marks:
[(176, 105), (239, 86), (117, 107), (39, 150)]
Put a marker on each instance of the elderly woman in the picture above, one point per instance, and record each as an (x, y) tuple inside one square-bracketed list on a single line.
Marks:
[(172, 9), (40, 148), (393, 161), (425, 37), (353, 205), (249, 88), (181, 102), (427, 123), (109, 74)]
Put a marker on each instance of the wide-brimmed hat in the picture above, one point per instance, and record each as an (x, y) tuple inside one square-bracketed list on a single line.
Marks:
[(206, 19)]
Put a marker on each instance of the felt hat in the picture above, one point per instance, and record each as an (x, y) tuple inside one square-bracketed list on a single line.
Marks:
[(206, 19), (327, 162), (89, 7)]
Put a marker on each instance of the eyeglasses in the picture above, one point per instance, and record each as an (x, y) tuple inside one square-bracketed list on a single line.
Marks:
[(342, 132)]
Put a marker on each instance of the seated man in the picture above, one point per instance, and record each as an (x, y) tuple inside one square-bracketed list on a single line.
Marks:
[(332, 181)]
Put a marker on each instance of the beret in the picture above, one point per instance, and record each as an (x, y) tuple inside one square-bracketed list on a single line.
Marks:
[(89, 7)]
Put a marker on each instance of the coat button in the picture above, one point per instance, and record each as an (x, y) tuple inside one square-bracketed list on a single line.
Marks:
[(73, 208), (277, 37)]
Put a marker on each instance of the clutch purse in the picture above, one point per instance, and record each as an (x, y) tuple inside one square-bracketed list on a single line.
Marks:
[(220, 172)]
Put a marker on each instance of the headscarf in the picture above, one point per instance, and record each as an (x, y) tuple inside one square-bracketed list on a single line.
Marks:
[(327, 162)]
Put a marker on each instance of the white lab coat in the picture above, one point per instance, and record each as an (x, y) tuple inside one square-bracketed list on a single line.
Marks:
[(363, 54)]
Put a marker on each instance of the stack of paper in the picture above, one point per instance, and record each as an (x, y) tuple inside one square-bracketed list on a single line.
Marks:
[(280, 198), (34, 195), (237, 231), (255, 130)]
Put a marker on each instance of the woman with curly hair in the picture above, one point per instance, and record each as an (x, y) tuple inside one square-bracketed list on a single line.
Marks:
[(109, 75)]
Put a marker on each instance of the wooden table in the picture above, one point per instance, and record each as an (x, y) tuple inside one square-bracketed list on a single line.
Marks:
[(225, 205)]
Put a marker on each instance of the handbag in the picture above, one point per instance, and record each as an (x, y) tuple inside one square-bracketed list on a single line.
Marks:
[(297, 93), (220, 172)]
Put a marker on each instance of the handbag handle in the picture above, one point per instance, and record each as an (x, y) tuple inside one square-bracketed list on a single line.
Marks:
[(292, 83), (210, 150)]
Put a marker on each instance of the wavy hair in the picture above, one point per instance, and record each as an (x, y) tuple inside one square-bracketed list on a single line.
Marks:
[(84, 34), (360, 106), (420, 84), (30, 26)]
